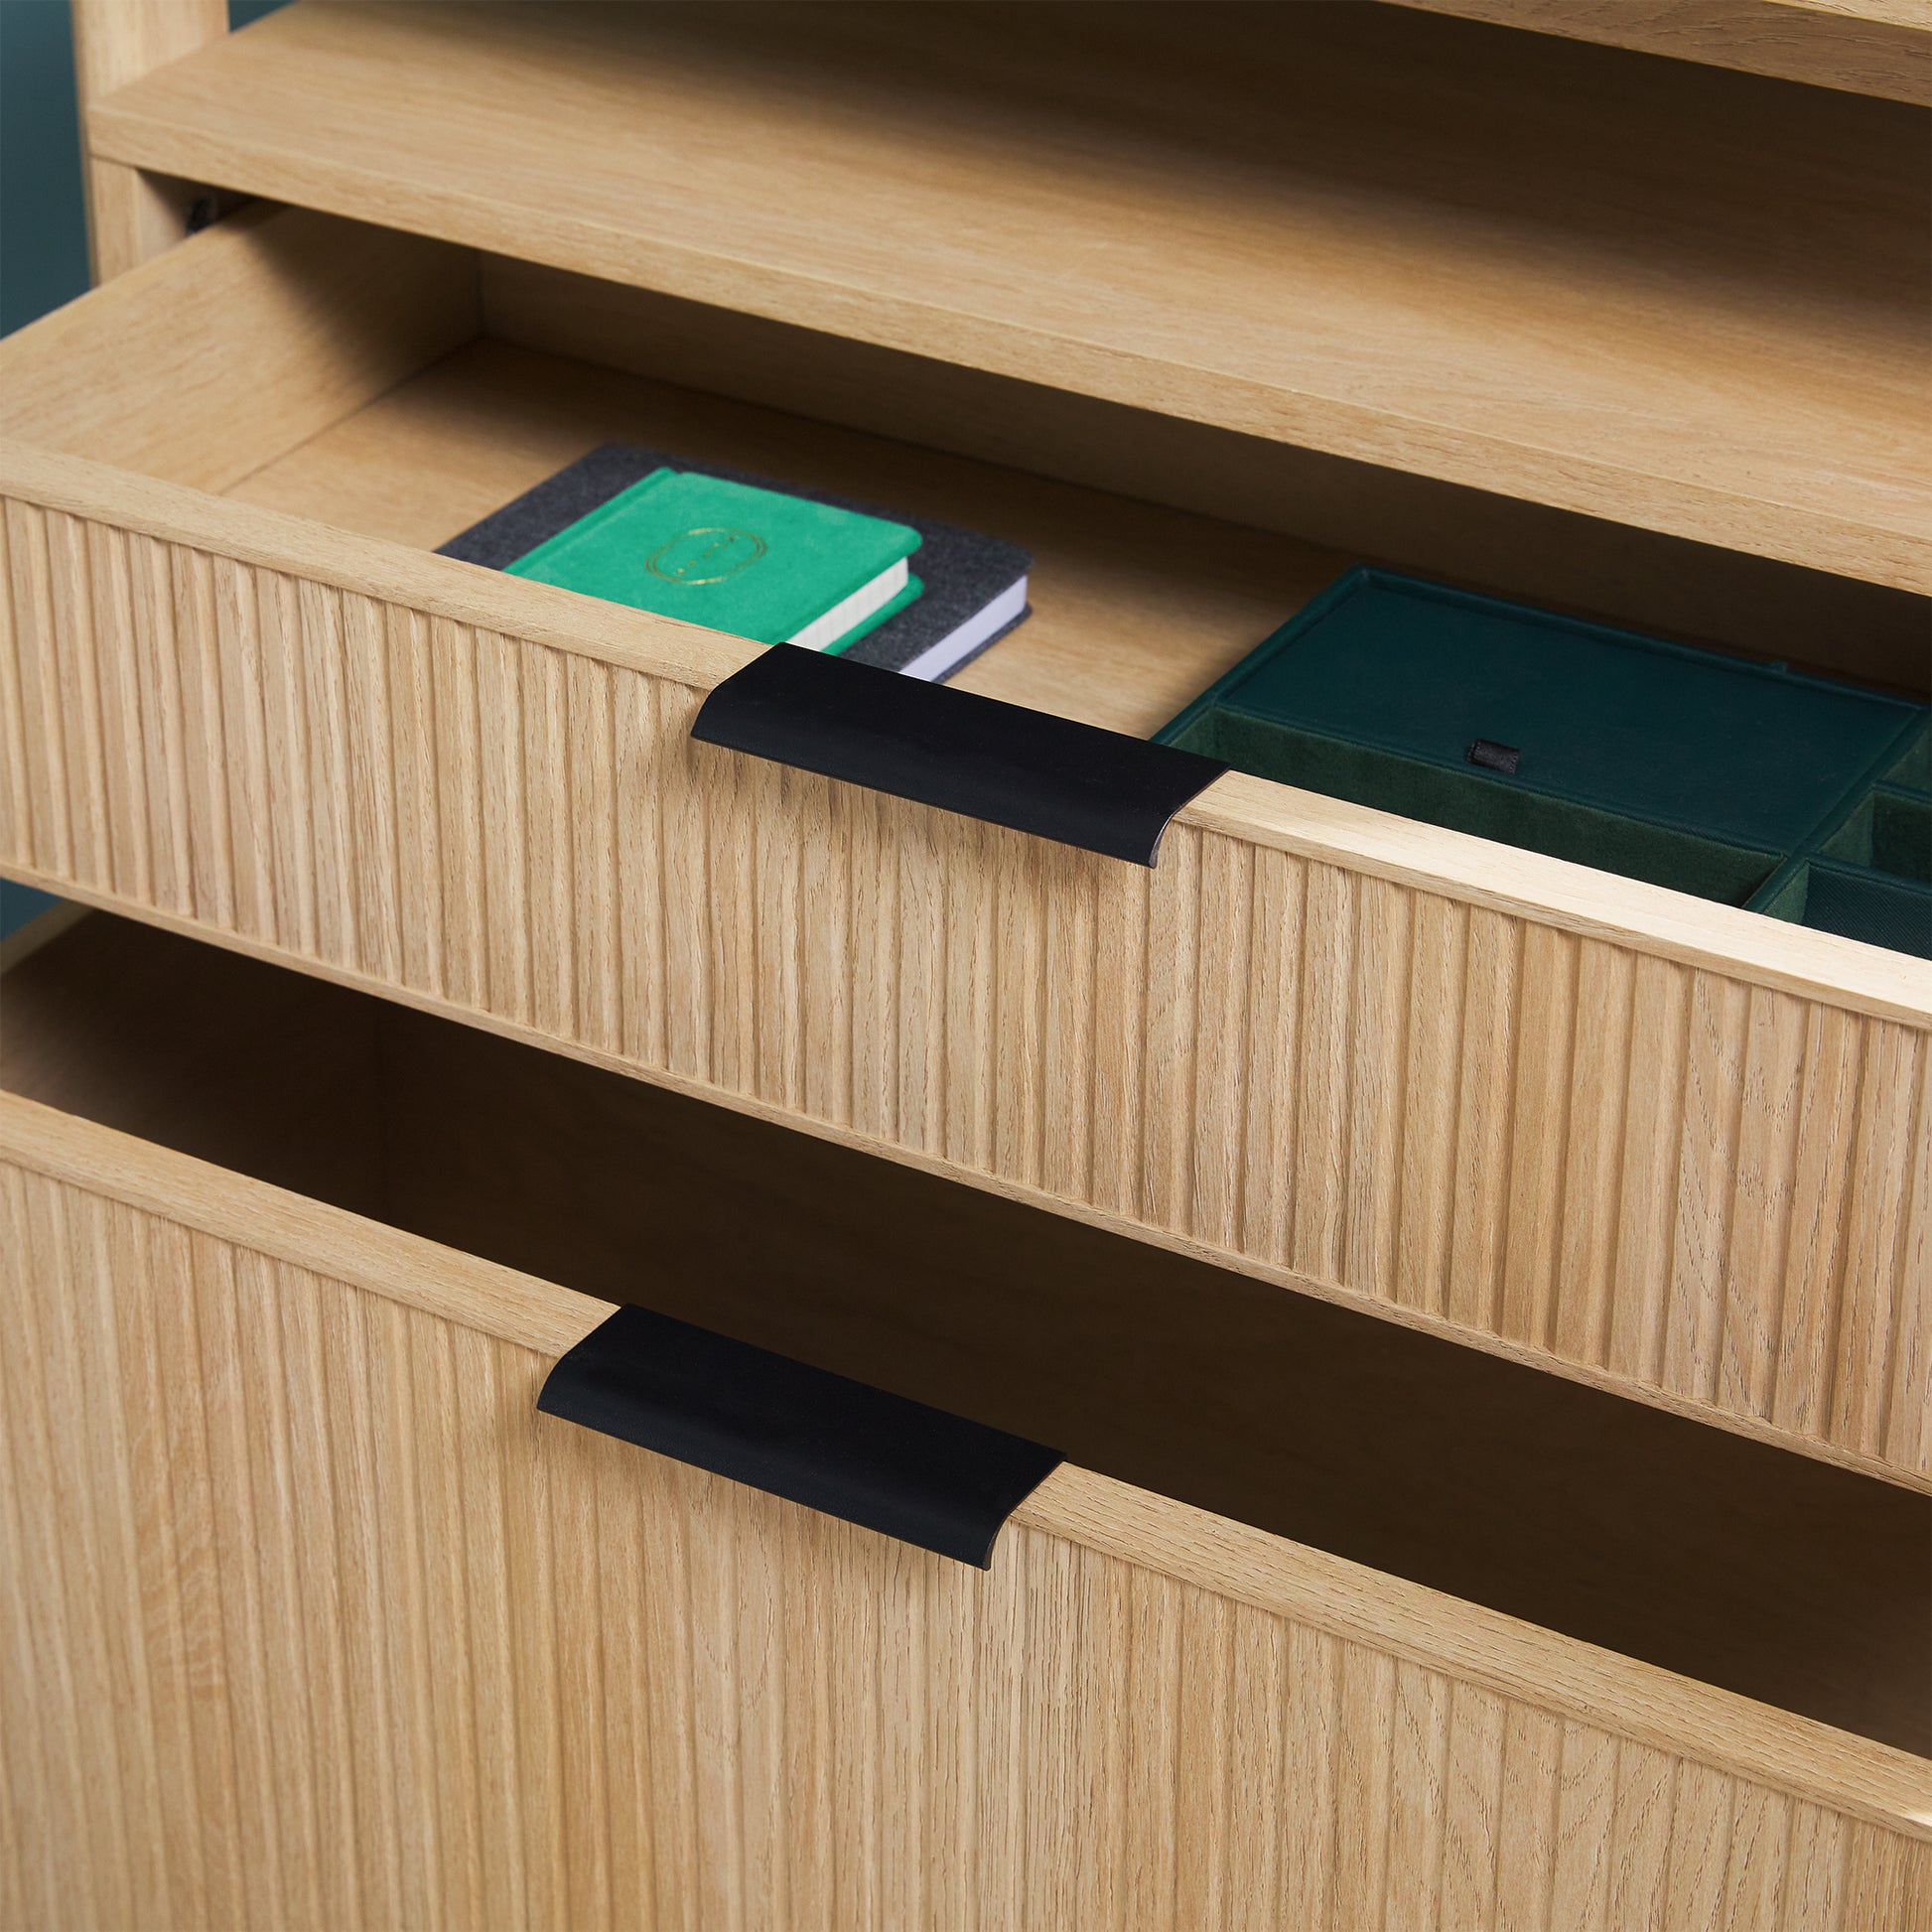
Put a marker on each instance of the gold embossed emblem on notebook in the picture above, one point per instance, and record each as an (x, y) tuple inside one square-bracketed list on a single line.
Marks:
[(707, 556)]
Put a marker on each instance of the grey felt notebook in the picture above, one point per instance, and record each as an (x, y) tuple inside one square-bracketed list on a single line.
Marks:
[(975, 585)]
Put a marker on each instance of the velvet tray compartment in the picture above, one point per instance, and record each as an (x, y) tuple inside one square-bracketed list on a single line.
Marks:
[(1739, 781)]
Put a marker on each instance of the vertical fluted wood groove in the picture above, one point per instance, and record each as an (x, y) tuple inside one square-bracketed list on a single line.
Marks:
[(310, 1619), (1693, 1186)]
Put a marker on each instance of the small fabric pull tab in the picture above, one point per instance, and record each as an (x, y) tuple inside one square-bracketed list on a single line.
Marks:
[(1493, 757)]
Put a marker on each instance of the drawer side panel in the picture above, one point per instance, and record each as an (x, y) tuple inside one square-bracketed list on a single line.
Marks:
[(1662, 1177), (311, 1620)]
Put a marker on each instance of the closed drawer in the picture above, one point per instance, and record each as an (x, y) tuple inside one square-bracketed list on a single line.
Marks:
[(313, 1619), (1662, 1145)]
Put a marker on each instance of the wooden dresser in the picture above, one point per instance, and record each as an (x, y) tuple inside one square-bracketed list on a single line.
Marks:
[(311, 1620)]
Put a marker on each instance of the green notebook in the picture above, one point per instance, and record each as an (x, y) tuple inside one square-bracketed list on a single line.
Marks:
[(757, 563)]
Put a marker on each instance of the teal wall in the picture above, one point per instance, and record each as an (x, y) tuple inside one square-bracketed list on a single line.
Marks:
[(43, 222), (43, 232)]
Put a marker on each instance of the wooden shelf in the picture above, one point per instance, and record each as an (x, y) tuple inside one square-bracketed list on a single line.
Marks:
[(1135, 608), (1666, 295), (1865, 47)]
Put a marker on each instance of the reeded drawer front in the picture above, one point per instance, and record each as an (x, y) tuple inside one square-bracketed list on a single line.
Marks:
[(314, 1622), (1661, 1144)]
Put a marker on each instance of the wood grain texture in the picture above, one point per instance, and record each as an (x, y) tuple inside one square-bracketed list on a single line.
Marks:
[(313, 1621), (133, 214), (1375, 1109), (1865, 47), (260, 333), (1726, 350), (1781, 1577)]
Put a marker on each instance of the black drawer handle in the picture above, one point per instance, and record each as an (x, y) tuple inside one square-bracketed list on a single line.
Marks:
[(1098, 789), (814, 1438)]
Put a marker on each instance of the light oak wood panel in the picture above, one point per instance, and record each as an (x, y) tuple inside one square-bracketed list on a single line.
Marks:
[(1407, 1104), (1867, 47), (132, 214), (314, 1620), (204, 367), (1114, 201)]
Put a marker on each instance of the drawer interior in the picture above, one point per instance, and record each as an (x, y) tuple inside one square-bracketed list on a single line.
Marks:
[(404, 388), (1771, 1573)]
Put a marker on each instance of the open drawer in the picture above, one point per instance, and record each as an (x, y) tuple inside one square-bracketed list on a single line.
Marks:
[(1664, 1146), (313, 1618)]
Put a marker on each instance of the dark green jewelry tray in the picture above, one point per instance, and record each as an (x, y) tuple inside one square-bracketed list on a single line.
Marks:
[(1744, 783)]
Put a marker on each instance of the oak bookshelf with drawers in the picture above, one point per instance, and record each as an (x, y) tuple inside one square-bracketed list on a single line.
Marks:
[(1202, 304)]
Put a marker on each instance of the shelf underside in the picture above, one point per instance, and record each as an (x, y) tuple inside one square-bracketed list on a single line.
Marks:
[(1670, 296), (1867, 47)]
